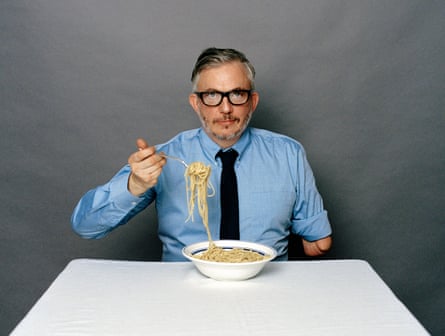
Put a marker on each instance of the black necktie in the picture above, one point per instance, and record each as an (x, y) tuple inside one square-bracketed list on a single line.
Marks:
[(229, 196)]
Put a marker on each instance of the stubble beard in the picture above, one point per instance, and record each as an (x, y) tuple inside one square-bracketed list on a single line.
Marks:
[(228, 137)]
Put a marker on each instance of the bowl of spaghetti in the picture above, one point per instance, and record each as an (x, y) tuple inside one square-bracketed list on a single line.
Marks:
[(220, 259), (229, 259)]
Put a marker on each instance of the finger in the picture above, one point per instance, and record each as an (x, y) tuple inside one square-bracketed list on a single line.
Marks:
[(147, 164), (144, 152), (141, 143), (143, 146), (146, 175)]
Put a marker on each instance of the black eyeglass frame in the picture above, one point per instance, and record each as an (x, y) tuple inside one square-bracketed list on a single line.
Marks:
[(224, 94)]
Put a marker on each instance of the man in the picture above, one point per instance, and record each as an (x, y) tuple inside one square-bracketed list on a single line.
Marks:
[(276, 188)]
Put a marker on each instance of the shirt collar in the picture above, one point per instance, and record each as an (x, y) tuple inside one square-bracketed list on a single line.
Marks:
[(211, 148)]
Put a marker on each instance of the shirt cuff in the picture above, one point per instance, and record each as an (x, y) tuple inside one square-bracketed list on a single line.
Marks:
[(313, 228), (120, 196)]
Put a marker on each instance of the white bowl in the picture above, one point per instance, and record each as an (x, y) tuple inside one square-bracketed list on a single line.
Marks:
[(227, 270)]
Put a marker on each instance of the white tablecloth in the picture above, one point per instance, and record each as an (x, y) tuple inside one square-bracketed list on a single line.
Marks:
[(103, 297)]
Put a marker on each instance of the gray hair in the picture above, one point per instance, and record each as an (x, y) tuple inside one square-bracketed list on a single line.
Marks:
[(212, 57)]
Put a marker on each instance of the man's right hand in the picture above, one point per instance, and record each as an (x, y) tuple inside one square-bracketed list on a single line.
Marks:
[(146, 166)]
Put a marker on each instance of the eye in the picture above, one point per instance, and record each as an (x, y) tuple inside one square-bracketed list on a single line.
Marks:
[(239, 95), (211, 94)]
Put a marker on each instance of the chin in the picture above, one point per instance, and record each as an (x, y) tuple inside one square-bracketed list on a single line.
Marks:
[(228, 137)]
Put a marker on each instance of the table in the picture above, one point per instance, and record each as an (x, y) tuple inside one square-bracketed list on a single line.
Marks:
[(329, 297)]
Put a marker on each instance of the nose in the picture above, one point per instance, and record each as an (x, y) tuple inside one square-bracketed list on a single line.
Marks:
[(226, 106)]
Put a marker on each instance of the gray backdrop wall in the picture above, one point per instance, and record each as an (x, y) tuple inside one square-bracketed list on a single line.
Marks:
[(359, 83)]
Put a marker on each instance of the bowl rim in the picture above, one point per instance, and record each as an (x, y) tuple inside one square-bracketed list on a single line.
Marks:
[(191, 249)]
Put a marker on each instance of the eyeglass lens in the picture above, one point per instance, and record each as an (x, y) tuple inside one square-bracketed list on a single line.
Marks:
[(235, 97)]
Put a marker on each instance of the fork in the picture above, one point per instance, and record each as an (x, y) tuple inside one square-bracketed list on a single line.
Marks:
[(174, 158)]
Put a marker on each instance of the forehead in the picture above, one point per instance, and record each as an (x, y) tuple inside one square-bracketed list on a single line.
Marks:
[(224, 77)]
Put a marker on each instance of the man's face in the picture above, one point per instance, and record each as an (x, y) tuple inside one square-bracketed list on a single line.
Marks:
[(224, 123)]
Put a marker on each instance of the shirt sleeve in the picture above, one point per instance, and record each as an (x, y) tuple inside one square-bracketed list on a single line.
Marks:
[(310, 219), (104, 208)]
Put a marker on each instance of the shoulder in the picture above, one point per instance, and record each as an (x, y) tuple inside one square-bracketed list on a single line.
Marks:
[(182, 138), (272, 139)]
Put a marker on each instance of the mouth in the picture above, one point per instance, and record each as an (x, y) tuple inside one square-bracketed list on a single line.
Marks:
[(226, 122)]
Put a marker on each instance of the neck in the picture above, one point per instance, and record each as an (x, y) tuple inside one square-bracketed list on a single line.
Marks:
[(224, 143)]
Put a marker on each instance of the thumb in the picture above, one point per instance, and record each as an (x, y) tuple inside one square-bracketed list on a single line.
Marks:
[(141, 143)]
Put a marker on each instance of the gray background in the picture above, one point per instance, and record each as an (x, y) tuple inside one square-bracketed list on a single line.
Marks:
[(359, 83)]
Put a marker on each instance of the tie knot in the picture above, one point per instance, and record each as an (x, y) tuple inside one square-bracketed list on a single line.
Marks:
[(228, 158)]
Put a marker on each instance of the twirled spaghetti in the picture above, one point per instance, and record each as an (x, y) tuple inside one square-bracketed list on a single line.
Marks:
[(197, 182), (197, 179)]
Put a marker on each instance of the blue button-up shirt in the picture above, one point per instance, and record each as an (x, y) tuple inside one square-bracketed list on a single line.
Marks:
[(276, 190)]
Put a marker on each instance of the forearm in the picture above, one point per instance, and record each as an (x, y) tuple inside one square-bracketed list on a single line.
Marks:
[(317, 247), (102, 209), (91, 220)]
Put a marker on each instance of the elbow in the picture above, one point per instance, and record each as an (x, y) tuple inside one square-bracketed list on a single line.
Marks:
[(88, 234), (77, 228), (324, 245), (85, 231), (317, 248)]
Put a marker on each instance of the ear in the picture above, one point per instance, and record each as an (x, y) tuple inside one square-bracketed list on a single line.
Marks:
[(254, 99), (194, 102)]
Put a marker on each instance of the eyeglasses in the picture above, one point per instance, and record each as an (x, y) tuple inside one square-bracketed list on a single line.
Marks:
[(215, 98)]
